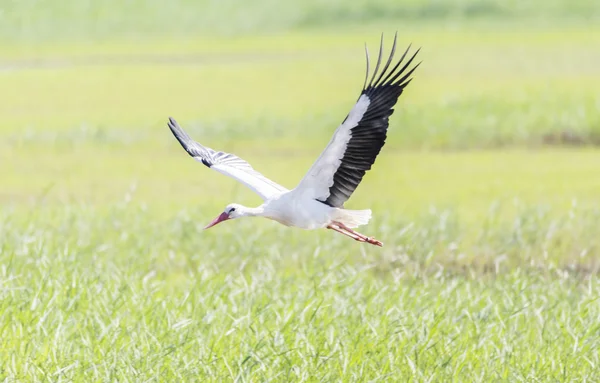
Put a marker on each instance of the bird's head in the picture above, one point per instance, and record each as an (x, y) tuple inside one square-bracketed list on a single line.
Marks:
[(231, 211)]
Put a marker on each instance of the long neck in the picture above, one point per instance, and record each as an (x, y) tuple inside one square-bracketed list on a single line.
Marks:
[(253, 211)]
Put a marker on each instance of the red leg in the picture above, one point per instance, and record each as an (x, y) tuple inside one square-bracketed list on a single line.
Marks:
[(370, 240), (341, 228)]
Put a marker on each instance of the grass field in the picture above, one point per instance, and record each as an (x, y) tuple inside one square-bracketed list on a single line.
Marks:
[(486, 194)]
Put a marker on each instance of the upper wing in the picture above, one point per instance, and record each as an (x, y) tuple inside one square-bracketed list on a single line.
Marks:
[(357, 141), (227, 164)]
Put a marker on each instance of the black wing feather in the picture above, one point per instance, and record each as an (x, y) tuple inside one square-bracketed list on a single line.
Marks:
[(190, 146), (369, 135), (207, 156)]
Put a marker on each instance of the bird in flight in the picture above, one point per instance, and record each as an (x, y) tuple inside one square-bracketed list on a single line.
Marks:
[(318, 200)]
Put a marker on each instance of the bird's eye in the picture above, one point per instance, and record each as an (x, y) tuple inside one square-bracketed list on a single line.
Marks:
[(232, 210)]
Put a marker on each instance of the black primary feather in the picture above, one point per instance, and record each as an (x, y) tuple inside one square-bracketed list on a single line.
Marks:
[(190, 146), (369, 135)]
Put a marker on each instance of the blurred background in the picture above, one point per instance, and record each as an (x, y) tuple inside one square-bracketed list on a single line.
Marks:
[(491, 163), (503, 111)]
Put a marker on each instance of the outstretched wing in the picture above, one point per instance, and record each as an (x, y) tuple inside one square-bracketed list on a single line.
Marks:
[(226, 163), (358, 140)]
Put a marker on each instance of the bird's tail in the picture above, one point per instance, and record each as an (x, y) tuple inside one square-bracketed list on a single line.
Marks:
[(353, 218)]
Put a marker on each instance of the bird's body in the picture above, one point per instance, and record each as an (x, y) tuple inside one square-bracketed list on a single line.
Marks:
[(292, 208), (318, 200)]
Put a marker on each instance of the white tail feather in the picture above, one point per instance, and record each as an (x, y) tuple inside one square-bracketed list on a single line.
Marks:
[(353, 218)]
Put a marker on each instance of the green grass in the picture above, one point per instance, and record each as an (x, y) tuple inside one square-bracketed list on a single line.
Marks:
[(119, 295), (485, 195)]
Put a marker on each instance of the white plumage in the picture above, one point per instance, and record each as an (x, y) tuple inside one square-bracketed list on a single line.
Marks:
[(319, 178), (318, 200)]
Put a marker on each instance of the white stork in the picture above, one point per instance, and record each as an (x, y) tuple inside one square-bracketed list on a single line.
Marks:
[(318, 200)]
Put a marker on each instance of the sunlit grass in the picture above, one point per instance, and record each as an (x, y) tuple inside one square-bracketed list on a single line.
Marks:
[(91, 295)]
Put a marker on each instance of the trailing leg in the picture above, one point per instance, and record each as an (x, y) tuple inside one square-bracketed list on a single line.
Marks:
[(364, 238), (341, 228)]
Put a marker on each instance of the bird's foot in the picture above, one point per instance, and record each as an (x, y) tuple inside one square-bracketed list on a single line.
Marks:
[(373, 241), (369, 240)]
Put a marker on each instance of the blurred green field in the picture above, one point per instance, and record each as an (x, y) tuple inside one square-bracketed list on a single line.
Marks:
[(485, 195), (33, 21)]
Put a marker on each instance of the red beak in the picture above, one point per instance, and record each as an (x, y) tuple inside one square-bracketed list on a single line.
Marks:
[(223, 217)]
